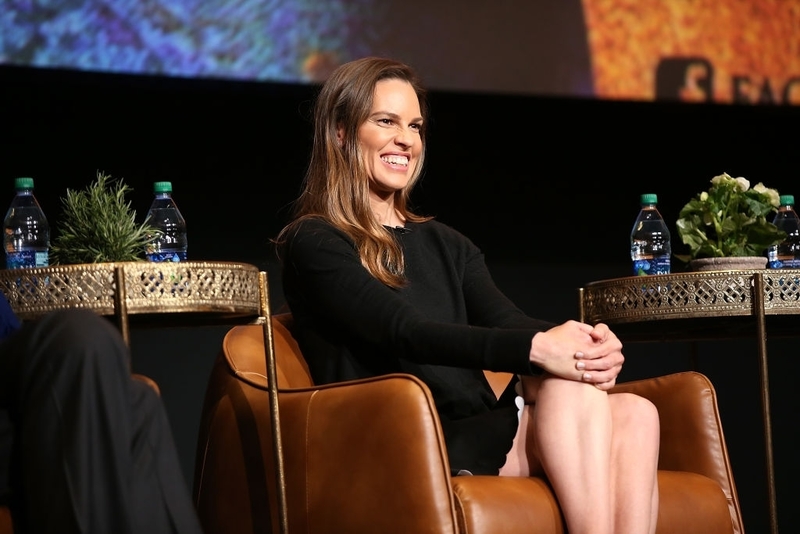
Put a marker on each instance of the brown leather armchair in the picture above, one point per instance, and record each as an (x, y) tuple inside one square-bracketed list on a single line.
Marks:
[(368, 456), (6, 524)]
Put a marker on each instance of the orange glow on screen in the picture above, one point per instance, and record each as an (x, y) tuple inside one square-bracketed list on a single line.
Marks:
[(742, 51)]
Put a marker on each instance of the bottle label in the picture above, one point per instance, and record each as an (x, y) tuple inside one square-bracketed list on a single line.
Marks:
[(173, 256), (784, 263), (27, 258), (646, 267)]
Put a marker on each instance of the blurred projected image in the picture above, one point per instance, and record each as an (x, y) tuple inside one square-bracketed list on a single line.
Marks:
[(281, 40), (536, 47), (742, 51), (736, 51)]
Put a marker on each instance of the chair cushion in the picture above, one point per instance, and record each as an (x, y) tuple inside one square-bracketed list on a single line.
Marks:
[(506, 505), (511, 505)]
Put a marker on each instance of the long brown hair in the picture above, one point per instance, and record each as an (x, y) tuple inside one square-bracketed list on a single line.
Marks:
[(336, 184)]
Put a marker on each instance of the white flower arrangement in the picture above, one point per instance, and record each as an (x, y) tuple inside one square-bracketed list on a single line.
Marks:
[(730, 219)]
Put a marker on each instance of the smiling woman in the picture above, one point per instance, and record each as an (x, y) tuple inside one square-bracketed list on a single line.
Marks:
[(391, 145), (369, 300), (368, 130)]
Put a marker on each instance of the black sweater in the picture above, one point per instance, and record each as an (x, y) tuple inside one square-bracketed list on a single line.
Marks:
[(447, 325)]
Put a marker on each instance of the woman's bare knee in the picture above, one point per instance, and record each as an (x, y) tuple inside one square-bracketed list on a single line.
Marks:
[(635, 412)]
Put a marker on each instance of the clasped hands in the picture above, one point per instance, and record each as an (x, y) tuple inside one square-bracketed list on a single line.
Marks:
[(581, 352)]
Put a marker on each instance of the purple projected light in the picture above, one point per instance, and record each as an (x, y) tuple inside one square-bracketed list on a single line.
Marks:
[(536, 47), (281, 40)]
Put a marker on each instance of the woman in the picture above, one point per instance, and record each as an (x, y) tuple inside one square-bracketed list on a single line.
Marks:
[(375, 288)]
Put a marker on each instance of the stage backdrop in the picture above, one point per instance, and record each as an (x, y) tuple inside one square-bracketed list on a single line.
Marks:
[(744, 51)]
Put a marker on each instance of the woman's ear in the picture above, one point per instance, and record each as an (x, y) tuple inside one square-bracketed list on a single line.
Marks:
[(340, 135)]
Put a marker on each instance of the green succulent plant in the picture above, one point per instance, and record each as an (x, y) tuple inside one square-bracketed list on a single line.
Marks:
[(98, 225)]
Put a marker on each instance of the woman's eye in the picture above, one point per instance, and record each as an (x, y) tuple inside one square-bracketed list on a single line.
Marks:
[(385, 121), (416, 127)]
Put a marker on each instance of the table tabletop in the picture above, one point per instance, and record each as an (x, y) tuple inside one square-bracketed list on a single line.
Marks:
[(694, 305), (185, 290)]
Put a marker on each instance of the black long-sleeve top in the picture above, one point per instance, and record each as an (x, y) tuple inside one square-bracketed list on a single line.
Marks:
[(448, 324)]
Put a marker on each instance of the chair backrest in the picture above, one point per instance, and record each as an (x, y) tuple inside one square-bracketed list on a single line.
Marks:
[(325, 447), (292, 369), (246, 357)]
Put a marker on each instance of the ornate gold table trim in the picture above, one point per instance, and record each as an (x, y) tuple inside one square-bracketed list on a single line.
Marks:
[(140, 287), (689, 295)]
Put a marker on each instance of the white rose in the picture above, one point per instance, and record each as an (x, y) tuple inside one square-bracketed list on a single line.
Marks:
[(743, 183), (774, 197), (772, 194), (724, 177)]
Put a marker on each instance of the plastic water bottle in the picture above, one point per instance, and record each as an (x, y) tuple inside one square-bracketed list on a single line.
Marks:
[(164, 215), (26, 233), (786, 255), (651, 249)]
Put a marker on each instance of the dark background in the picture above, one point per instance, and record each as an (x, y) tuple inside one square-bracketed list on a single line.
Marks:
[(547, 187)]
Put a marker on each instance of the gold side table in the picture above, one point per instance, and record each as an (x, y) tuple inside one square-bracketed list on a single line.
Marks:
[(191, 292), (702, 305)]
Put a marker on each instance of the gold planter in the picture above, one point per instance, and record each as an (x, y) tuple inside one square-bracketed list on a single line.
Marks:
[(732, 263)]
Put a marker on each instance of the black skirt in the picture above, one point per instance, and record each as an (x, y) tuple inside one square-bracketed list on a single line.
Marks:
[(479, 444)]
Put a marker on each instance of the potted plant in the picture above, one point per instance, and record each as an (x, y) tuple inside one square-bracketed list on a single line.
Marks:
[(728, 223), (98, 225)]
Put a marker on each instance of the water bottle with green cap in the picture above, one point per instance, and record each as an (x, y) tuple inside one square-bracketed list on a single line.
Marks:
[(651, 250), (26, 233), (786, 254), (170, 243)]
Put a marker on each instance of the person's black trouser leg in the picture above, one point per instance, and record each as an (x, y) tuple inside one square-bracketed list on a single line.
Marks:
[(93, 448)]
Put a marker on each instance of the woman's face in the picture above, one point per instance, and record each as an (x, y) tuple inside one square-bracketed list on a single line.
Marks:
[(390, 138)]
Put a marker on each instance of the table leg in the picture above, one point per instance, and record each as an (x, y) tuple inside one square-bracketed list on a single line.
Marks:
[(272, 388), (761, 330), (121, 306)]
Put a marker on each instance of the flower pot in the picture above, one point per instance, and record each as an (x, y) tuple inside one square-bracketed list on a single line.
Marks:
[(731, 263)]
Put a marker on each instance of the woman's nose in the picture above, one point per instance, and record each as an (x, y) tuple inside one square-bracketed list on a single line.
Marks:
[(404, 137)]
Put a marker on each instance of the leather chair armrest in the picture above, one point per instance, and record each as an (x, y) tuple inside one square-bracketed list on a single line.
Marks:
[(385, 426), (691, 430), (6, 525)]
